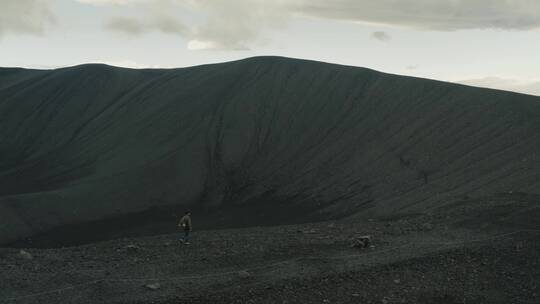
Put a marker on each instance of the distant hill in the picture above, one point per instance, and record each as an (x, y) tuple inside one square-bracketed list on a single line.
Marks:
[(270, 139)]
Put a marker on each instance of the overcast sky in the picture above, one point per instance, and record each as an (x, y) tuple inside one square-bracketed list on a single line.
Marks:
[(491, 43)]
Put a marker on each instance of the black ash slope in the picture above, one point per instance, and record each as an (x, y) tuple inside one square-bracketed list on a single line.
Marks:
[(92, 142)]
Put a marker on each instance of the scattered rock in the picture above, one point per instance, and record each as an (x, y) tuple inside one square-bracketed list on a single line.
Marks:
[(427, 226), (310, 231), (356, 295), (25, 255), (397, 281), (331, 225), (361, 242), (153, 286), (132, 247), (244, 274)]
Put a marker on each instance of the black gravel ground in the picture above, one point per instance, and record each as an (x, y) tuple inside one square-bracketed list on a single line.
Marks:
[(435, 258)]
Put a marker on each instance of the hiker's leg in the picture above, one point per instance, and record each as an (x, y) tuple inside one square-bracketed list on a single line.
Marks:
[(186, 235)]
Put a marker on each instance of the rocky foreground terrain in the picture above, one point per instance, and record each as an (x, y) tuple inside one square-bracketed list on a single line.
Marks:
[(484, 250)]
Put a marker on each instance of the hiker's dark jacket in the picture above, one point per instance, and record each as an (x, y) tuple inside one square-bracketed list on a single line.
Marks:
[(185, 222)]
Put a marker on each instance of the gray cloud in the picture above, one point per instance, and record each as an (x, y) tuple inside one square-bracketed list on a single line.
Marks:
[(442, 15), (111, 2), (508, 84), (169, 25), (135, 27), (237, 24), (127, 25), (222, 25), (24, 17), (381, 36)]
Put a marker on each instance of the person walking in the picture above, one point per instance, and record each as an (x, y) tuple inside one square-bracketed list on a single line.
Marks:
[(185, 223)]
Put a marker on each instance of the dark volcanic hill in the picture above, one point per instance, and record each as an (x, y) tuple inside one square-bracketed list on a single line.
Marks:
[(268, 140)]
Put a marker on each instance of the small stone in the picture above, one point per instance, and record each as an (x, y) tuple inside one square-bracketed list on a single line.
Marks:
[(355, 295), (427, 226), (25, 255), (361, 242), (397, 281), (331, 225), (154, 286), (132, 247), (244, 274)]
